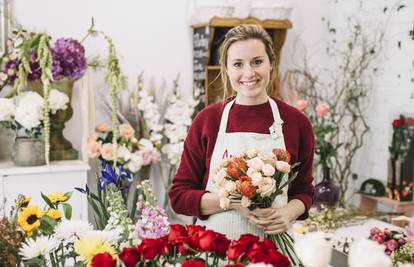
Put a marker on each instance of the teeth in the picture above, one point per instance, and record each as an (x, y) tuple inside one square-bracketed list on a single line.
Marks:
[(248, 83)]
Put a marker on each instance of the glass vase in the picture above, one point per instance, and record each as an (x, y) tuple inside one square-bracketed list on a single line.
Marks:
[(326, 192)]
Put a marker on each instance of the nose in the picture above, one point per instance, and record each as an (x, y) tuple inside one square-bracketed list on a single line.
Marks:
[(248, 71)]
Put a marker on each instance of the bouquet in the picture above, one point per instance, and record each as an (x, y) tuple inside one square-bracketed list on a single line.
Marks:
[(254, 179)]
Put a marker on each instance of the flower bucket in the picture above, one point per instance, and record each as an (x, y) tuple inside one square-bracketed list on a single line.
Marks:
[(60, 147), (28, 151)]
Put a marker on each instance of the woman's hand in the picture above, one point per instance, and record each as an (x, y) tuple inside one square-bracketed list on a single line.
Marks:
[(244, 212)]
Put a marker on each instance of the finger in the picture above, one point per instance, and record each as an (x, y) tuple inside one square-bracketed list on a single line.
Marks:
[(260, 222), (262, 212), (276, 228)]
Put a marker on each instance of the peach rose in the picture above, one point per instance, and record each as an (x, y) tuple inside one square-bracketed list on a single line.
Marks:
[(94, 147), (102, 128), (126, 131), (283, 166), (301, 105), (107, 151), (322, 109)]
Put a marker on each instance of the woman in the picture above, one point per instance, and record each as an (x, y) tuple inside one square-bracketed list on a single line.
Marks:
[(250, 120)]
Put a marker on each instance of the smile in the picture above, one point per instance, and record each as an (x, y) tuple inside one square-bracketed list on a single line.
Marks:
[(249, 83)]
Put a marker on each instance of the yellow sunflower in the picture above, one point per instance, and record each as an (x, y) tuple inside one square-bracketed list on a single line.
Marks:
[(57, 197), (29, 218), (54, 213), (23, 200)]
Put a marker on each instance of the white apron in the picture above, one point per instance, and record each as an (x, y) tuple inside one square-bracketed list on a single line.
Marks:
[(230, 222)]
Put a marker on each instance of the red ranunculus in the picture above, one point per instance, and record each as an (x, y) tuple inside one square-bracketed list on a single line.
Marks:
[(221, 244), (176, 231), (207, 240), (248, 240), (103, 260), (151, 248), (278, 259), (396, 123), (236, 250), (130, 256), (193, 263), (192, 229)]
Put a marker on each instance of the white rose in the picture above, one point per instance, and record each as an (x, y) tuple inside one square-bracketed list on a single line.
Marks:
[(251, 153), (268, 170), (123, 153), (57, 101), (219, 177), (230, 186), (257, 178), (136, 163), (245, 202), (7, 109), (362, 248), (283, 166), (267, 187), (250, 172), (28, 116), (224, 203), (313, 249), (255, 163)]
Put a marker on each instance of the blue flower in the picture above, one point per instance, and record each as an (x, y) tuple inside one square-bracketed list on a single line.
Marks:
[(83, 191), (110, 175)]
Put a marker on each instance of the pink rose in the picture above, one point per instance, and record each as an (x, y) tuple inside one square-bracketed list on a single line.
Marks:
[(283, 166), (301, 105), (322, 109), (102, 128), (107, 151), (126, 131), (94, 147)]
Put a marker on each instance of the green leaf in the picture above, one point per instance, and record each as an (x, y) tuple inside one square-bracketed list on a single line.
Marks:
[(47, 200), (67, 210), (68, 195)]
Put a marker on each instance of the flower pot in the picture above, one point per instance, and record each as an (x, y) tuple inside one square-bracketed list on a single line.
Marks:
[(60, 147), (28, 151), (326, 192)]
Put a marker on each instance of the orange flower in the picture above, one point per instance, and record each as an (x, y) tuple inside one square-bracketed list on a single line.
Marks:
[(233, 172), (246, 188), (282, 154)]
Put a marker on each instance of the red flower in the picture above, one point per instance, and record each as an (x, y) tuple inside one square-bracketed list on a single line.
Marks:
[(246, 188), (396, 123), (282, 154), (206, 240), (268, 244), (278, 259), (152, 248), (248, 240), (221, 244), (103, 260), (193, 263), (257, 255), (130, 256), (236, 167), (176, 231), (186, 245), (233, 172), (235, 265), (193, 229), (236, 251)]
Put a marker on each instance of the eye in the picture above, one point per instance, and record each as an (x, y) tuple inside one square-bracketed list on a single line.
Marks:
[(258, 61), (237, 64)]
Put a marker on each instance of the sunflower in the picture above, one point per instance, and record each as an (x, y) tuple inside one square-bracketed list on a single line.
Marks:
[(29, 218), (57, 197), (23, 200), (54, 213)]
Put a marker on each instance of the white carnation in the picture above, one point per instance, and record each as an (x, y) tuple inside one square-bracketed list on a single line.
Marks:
[(7, 109), (57, 101)]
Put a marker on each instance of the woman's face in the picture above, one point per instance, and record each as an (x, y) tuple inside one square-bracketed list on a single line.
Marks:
[(248, 69)]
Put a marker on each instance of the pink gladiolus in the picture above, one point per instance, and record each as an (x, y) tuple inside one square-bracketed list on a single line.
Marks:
[(301, 105), (322, 109)]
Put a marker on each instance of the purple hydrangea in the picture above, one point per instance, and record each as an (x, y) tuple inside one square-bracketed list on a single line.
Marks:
[(69, 59)]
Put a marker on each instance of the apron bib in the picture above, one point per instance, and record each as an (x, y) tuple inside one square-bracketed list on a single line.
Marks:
[(230, 222)]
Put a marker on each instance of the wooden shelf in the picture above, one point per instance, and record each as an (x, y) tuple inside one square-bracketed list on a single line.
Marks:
[(369, 202)]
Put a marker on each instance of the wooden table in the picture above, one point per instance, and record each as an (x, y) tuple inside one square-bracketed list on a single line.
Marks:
[(369, 202)]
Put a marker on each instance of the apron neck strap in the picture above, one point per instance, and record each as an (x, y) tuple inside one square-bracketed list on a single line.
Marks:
[(226, 111)]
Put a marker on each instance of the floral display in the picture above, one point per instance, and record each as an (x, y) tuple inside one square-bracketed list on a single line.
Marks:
[(254, 179), (130, 153), (390, 239), (25, 111)]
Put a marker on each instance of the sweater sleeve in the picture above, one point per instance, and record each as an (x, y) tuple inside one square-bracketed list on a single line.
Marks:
[(187, 186), (302, 187)]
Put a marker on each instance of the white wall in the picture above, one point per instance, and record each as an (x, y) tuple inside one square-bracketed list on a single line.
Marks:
[(155, 36)]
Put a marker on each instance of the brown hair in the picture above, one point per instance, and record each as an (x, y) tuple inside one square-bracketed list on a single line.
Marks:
[(241, 33)]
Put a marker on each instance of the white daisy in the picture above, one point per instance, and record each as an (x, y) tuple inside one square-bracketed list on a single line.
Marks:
[(69, 231), (40, 246), (111, 236)]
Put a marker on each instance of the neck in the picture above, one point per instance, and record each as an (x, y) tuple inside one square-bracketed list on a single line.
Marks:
[(251, 101)]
